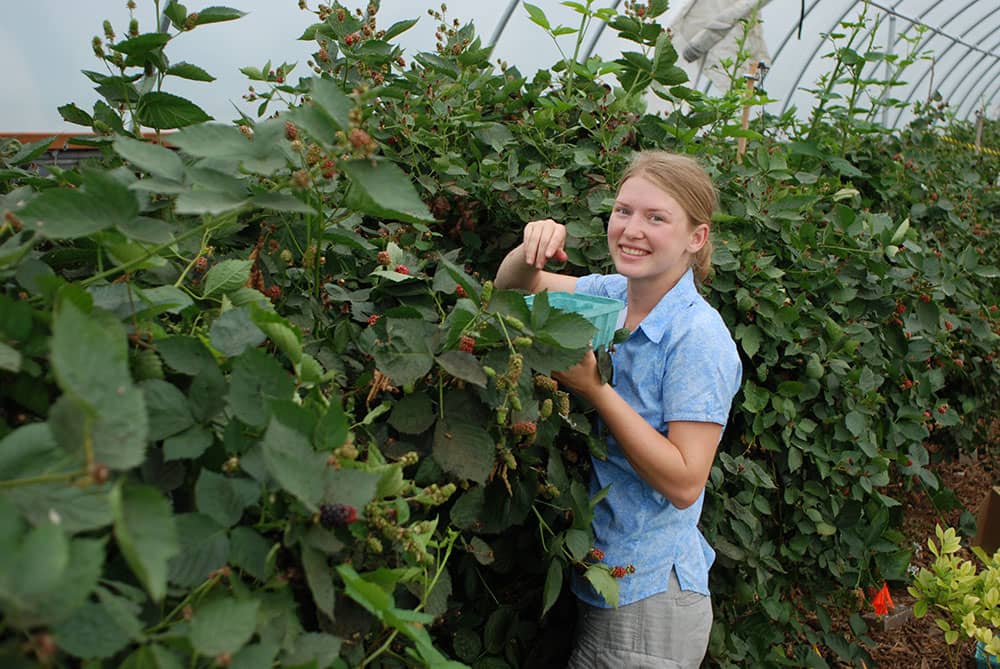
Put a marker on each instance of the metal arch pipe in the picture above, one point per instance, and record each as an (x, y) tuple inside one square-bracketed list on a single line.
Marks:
[(955, 91), (916, 85), (954, 16), (809, 60), (986, 87), (972, 69), (991, 97), (502, 24), (968, 72)]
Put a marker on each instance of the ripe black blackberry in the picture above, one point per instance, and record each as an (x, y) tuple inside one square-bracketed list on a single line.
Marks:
[(337, 515)]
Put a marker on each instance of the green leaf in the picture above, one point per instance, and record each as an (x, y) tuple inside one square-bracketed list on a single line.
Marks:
[(227, 276), (553, 585), (40, 561), (190, 72), (73, 114), (332, 428), (250, 551), (141, 44), (234, 333), (382, 190), (282, 202), (167, 407), (537, 16), (217, 15), (855, 423), (319, 577), (204, 546), (10, 358), (405, 355), (328, 96), (312, 649), (223, 625), (293, 463), (413, 414), (91, 632), (165, 110), (187, 445), (464, 449), (152, 656), (604, 583), (185, 354), (146, 534), (60, 213), (257, 379), (152, 158), (287, 338), (463, 366), (222, 498)]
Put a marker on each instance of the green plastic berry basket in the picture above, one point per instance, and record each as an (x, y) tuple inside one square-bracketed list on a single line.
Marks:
[(602, 312)]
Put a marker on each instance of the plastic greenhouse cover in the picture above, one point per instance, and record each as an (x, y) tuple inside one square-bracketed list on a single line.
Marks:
[(961, 37)]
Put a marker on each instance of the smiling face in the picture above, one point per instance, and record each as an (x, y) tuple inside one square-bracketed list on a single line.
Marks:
[(650, 236)]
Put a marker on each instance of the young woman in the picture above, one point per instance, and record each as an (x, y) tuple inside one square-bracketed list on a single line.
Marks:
[(674, 381)]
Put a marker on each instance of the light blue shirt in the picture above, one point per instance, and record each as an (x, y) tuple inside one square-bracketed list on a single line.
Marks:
[(680, 364)]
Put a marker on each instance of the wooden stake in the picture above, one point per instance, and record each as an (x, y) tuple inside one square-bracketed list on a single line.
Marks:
[(741, 144)]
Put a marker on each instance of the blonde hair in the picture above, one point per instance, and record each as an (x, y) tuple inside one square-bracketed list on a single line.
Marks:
[(685, 180)]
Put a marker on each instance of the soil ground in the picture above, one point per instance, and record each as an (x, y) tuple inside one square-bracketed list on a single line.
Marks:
[(919, 644)]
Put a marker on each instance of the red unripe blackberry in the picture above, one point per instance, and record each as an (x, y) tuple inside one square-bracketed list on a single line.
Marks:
[(383, 258), (466, 344), (402, 269), (337, 515)]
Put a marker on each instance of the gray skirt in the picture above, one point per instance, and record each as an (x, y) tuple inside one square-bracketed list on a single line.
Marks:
[(666, 631)]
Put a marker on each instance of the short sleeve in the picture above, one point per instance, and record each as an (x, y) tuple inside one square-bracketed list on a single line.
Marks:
[(702, 372)]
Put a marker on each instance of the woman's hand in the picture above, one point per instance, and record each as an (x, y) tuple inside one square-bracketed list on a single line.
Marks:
[(544, 240), (583, 377)]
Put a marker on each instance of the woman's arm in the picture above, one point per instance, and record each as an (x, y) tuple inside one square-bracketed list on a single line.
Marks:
[(676, 466), (522, 267)]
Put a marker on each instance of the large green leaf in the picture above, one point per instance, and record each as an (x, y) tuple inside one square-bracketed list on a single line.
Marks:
[(152, 158), (91, 633), (463, 366), (234, 332), (293, 463), (204, 547), (328, 96), (114, 427), (61, 213), (464, 449), (223, 498), (413, 414), (164, 110), (380, 189), (332, 428), (405, 355), (223, 625), (167, 408), (189, 71), (257, 379), (89, 350), (227, 276), (146, 534)]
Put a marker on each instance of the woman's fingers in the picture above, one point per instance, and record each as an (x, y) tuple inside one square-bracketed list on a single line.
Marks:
[(543, 240)]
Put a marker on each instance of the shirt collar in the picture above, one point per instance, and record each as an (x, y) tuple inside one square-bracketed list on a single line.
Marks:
[(684, 292)]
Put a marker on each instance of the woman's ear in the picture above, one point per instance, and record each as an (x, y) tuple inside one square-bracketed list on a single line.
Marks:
[(699, 236)]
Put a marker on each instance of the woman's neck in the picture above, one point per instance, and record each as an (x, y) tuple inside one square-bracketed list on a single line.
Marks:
[(644, 295)]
